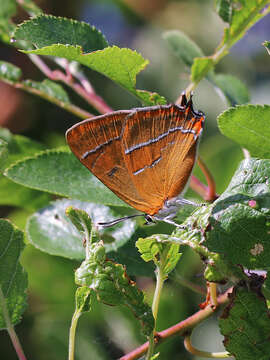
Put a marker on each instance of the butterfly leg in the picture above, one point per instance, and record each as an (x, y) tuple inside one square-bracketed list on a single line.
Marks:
[(182, 201), (170, 221)]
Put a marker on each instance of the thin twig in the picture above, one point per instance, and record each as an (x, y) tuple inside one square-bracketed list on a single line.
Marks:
[(155, 305), (180, 328), (211, 190), (64, 105), (197, 186), (215, 355), (246, 153), (86, 92), (10, 329)]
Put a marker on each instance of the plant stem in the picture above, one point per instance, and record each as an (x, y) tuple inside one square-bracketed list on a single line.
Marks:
[(159, 285), (213, 294), (86, 91), (88, 239), (180, 328), (10, 329), (197, 186), (64, 105), (223, 48), (211, 190), (216, 355), (246, 153), (72, 333), (30, 7)]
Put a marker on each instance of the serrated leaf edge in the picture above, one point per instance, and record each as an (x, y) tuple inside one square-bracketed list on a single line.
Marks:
[(60, 18)]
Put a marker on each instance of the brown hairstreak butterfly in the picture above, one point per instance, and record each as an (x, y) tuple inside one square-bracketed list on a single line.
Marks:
[(144, 155)]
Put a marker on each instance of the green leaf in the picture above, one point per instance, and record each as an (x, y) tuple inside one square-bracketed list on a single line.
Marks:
[(195, 231), (266, 288), (182, 46), (266, 44), (80, 219), (170, 258), (83, 299), (239, 221), (232, 88), (9, 72), (15, 147), (119, 65), (68, 39), (8, 9), (59, 172), (245, 322), (18, 147), (112, 285), (250, 179), (50, 88), (163, 254), (244, 17), (3, 152), (201, 67), (46, 30), (249, 126), (51, 231), (149, 249), (234, 230), (224, 8), (13, 278)]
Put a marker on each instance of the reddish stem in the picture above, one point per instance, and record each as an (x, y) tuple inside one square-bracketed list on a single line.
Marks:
[(16, 343), (197, 186), (86, 92), (211, 194), (180, 328)]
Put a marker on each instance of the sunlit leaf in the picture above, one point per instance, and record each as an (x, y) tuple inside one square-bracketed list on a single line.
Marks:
[(80, 42), (249, 126), (234, 230), (59, 172), (200, 68), (51, 231)]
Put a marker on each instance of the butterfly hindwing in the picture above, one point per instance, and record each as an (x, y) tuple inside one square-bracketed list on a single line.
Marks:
[(160, 147)]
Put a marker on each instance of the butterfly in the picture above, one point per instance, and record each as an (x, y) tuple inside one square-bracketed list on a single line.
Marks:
[(144, 155)]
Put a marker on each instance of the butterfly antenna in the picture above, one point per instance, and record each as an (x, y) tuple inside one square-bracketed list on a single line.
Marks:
[(183, 101), (189, 104), (116, 221)]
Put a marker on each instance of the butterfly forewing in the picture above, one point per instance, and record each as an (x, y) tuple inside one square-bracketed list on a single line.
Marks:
[(97, 144)]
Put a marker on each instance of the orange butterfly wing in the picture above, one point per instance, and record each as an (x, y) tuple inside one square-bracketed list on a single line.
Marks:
[(144, 156), (97, 144), (160, 147)]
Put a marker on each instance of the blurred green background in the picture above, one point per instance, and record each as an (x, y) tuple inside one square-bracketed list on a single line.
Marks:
[(109, 332)]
